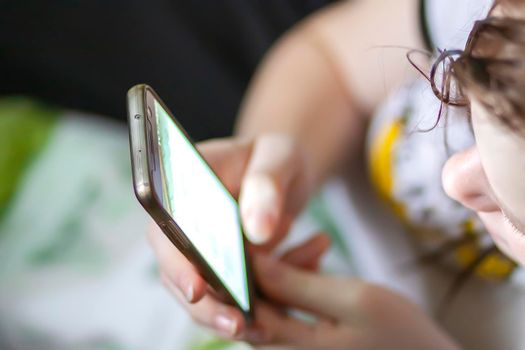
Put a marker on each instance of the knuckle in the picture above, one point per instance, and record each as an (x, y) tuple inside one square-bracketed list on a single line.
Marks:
[(358, 295), (200, 316), (279, 141), (366, 295), (196, 317), (374, 300)]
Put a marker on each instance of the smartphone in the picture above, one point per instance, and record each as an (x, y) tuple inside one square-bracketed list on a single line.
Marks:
[(180, 191)]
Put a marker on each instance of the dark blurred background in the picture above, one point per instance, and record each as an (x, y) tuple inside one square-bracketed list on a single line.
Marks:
[(198, 55)]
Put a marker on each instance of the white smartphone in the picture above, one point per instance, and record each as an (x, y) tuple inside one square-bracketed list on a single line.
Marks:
[(185, 197)]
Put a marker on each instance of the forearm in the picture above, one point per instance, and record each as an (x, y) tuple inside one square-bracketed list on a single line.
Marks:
[(321, 79), (297, 91)]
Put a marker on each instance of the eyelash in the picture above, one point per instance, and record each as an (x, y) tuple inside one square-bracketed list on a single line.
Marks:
[(514, 228)]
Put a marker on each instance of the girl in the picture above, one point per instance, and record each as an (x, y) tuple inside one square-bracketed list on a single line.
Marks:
[(305, 112)]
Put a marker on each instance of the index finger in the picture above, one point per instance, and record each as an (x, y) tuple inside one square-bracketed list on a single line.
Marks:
[(280, 329), (228, 158), (322, 295)]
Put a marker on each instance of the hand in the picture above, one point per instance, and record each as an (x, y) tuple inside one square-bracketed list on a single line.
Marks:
[(271, 176), (177, 274), (350, 314)]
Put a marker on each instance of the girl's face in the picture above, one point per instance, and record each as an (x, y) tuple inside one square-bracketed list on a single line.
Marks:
[(489, 178)]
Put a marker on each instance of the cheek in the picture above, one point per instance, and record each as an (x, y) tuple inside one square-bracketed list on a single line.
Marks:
[(508, 240)]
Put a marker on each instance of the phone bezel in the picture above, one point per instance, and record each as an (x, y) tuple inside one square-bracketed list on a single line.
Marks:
[(146, 180)]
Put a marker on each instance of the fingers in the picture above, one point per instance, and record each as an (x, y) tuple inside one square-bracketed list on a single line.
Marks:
[(295, 288), (280, 329), (182, 279), (273, 165), (175, 267), (226, 320), (268, 175), (307, 255)]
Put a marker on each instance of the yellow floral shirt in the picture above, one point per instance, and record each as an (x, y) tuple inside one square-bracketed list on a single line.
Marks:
[(405, 164)]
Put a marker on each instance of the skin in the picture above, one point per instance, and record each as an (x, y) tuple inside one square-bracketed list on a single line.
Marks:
[(488, 178), (282, 151), (304, 114), (365, 316)]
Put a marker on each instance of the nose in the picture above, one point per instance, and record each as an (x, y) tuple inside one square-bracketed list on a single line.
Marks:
[(464, 180)]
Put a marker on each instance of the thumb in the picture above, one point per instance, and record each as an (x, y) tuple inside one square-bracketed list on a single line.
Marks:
[(228, 158), (270, 171)]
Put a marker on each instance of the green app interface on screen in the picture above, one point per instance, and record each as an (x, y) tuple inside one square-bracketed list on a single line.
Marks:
[(202, 207)]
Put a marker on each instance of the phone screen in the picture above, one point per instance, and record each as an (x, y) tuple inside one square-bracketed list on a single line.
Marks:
[(202, 207)]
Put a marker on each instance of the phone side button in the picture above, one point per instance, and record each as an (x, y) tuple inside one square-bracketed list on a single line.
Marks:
[(178, 236)]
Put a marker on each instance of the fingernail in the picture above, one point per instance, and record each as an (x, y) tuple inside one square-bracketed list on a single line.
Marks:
[(259, 226), (188, 293), (226, 325), (185, 285), (259, 208)]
